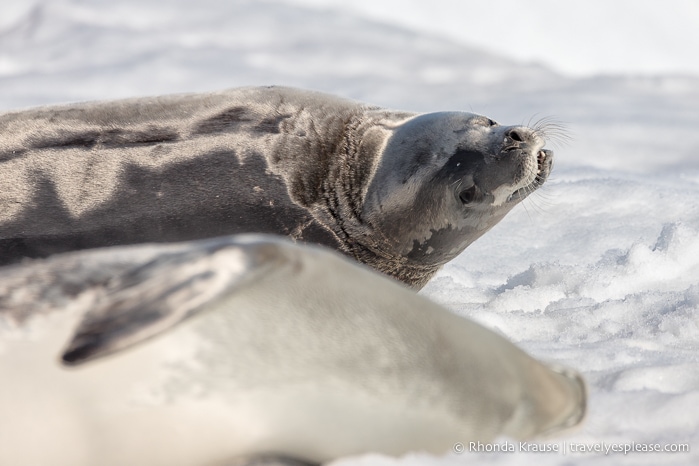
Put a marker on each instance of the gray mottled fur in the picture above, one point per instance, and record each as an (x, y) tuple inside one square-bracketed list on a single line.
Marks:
[(307, 165)]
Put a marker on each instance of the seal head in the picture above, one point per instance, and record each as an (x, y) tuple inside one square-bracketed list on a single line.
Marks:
[(444, 180)]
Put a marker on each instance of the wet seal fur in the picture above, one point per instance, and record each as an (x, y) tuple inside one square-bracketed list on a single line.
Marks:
[(401, 192), (179, 354)]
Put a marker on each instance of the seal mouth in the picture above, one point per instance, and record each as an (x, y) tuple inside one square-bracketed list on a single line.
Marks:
[(544, 162), (543, 167)]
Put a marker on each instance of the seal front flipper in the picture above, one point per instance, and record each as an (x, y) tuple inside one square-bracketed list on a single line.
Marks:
[(158, 295)]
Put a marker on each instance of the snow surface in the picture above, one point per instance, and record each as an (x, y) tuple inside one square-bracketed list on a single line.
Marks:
[(598, 270)]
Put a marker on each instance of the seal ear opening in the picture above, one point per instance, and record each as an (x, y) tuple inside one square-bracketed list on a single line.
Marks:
[(160, 294)]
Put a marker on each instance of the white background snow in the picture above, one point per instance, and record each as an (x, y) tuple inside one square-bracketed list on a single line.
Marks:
[(599, 270)]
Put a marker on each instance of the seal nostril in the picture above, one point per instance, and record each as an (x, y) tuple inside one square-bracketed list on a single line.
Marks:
[(516, 135)]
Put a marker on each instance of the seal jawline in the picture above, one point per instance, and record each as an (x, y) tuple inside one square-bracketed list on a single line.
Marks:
[(543, 169)]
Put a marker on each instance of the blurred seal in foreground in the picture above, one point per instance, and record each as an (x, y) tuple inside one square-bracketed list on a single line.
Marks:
[(401, 192), (201, 352)]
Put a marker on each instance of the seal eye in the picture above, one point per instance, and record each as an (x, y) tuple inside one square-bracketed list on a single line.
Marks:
[(468, 195)]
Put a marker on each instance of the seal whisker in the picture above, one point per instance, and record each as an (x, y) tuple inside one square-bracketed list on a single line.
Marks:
[(553, 130), (541, 198)]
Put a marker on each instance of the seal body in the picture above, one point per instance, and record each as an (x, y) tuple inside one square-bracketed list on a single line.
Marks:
[(401, 192), (181, 355)]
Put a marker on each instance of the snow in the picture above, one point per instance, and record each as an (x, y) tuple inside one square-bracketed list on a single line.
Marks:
[(598, 270), (576, 38)]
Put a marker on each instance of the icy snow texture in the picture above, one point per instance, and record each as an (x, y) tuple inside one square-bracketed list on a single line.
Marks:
[(598, 270)]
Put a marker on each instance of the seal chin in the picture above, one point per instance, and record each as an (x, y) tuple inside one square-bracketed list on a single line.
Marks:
[(535, 177)]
